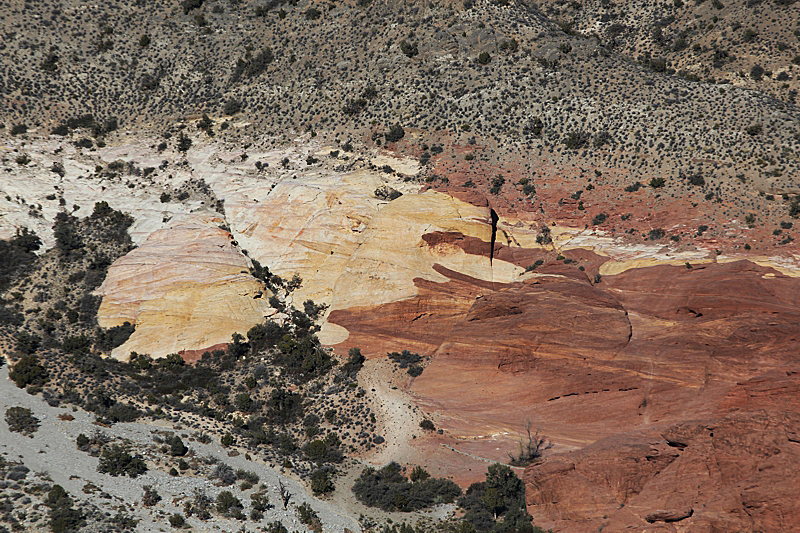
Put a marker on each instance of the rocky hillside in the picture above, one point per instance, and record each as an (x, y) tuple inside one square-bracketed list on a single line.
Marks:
[(576, 217)]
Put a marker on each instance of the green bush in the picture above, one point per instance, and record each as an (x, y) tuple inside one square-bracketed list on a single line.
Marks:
[(755, 129), (177, 448), (576, 140), (116, 460), (321, 482), (16, 254), (501, 497), (390, 490), (484, 58), (395, 133), (409, 49), (227, 503), (232, 107), (107, 340), (65, 519), (177, 520), (405, 358), (28, 371), (21, 420)]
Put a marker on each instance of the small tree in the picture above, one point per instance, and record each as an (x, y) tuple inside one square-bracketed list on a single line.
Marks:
[(117, 461), (232, 107), (21, 420), (321, 482), (530, 448), (395, 133), (419, 474), (184, 143), (150, 497), (177, 448), (409, 49), (28, 371)]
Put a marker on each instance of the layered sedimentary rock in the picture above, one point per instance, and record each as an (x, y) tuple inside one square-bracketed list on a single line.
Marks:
[(732, 473), (612, 366), (188, 287)]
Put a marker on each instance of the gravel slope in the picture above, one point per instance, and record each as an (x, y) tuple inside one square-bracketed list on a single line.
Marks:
[(52, 450)]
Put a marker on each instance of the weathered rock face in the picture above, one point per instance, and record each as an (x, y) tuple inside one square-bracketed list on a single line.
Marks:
[(721, 474), (186, 288), (621, 361)]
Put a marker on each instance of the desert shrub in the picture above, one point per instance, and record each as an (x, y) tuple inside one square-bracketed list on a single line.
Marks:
[(602, 137), (276, 527), (246, 475), (254, 67), (227, 503), (107, 340), (354, 106), (184, 143), (150, 497), (65, 519), (177, 520), (308, 516), (116, 460), (312, 13), (657, 183), (484, 58), (177, 448), (28, 371), (419, 474), (497, 185), (502, 497), (696, 179), (656, 234), (19, 129), (232, 107), (57, 497), (301, 355), (415, 371), (576, 140), (354, 363), (754, 130), (390, 490), (21, 420), (599, 219), (321, 482), (409, 49), (16, 254), (27, 343), (427, 424), (405, 358), (395, 133), (189, 5), (199, 506), (224, 474)]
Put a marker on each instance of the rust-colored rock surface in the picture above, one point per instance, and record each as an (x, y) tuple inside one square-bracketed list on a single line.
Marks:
[(670, 391), (721, 474)]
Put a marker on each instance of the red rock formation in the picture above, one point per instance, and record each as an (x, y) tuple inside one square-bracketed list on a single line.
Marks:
[(732, 473), (675, 387)]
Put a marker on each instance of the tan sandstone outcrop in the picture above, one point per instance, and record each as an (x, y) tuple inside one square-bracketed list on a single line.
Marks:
[(186, 288)]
